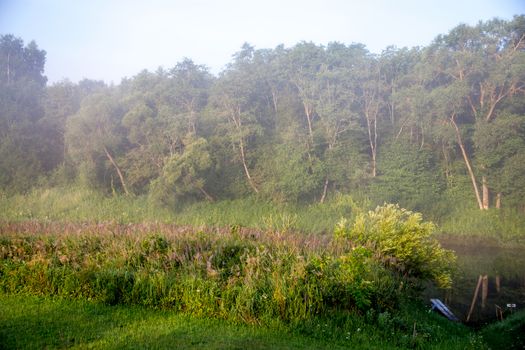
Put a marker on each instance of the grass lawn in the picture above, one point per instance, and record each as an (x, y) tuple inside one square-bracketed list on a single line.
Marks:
[(29, 322)]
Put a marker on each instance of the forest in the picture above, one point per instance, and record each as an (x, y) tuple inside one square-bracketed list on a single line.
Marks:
[(438, 129)]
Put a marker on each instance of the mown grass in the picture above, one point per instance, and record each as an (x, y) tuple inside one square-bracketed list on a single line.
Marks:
[(32, 322), (29, 322)]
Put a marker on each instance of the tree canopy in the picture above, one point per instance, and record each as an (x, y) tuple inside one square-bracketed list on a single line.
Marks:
[(414, 126)]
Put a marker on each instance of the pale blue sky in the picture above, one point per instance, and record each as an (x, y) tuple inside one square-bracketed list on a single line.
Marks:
[(112, 39)]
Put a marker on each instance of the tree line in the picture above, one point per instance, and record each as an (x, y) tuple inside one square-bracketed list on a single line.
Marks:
[(426, 126)]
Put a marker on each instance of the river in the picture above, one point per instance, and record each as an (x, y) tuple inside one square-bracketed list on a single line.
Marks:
[(476, 259)]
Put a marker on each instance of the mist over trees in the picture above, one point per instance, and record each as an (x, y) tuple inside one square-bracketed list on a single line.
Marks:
[(430, 128)]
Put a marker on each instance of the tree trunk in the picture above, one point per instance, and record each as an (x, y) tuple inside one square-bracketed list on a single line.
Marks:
[(374, 164), (486, 199), (373, 146), (323, 196), (372, 139), (246, 171), (447, 162), (498, 200), (484, 291), (118, 170), (8, 68), (308, 113), (467, 163), (206, 194), (191, 127), (274, 100), (235, 117)]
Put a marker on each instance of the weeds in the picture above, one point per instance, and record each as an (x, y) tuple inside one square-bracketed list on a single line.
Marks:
[(238, 274)]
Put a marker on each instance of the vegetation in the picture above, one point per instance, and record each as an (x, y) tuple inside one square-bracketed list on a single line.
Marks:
[(78, 204), (315, 291), (508, 334), (240, 275), (329, 290), (38, 322), (437, 129)]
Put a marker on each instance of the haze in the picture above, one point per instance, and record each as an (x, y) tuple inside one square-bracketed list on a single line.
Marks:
[(109, 40)]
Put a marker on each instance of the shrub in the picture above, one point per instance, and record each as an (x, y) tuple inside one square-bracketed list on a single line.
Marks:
[(401, 241)]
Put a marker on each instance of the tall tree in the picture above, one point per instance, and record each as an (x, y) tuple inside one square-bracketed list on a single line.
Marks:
[(188, 91), (184, 173), (483, 66), (236, 98)]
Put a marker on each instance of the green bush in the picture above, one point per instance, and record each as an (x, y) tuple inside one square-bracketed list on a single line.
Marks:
[(401, 241)]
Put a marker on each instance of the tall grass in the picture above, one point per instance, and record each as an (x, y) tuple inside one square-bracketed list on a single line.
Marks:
[(506, 225), (257, 213), (508, 334), (79, 204), (313, 285), (240, 274)]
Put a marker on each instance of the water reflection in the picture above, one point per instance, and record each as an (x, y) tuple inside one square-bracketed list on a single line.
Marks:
[(505, 269)]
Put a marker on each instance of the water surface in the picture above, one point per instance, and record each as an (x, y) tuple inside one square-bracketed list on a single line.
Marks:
[(475, 259)]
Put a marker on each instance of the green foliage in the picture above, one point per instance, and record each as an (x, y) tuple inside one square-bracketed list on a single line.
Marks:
[(407, 176), (505, 225), (240, 275), (401, 241), (286, 169), (512, 183), (184, 174), (422, 127), (24, 137)]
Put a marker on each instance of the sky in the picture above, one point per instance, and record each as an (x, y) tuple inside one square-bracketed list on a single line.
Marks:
[(112, 39)]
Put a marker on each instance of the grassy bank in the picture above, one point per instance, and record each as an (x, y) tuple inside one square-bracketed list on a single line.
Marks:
[(238, 274), (508, 334), (67, 284)]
